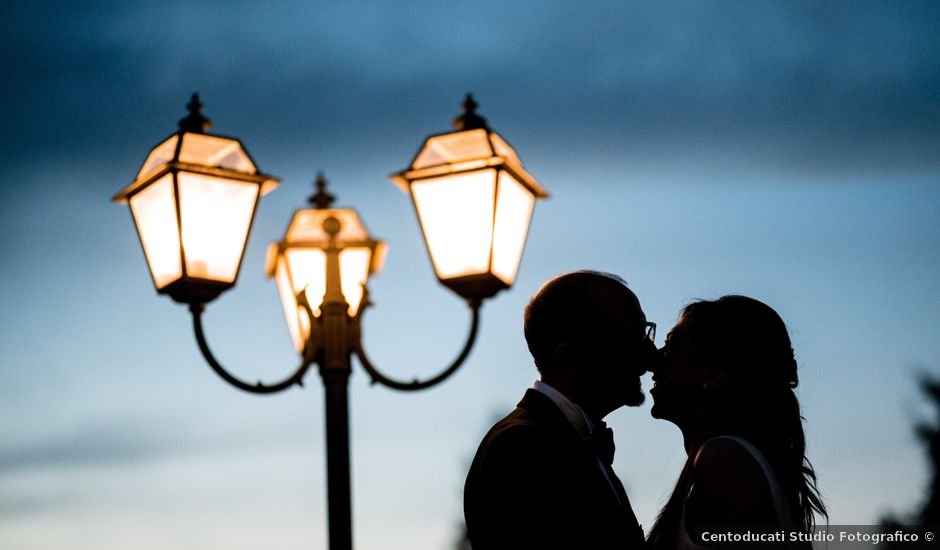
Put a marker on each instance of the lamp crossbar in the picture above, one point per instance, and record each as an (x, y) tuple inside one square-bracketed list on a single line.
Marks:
[(259, 387), (414, 385)]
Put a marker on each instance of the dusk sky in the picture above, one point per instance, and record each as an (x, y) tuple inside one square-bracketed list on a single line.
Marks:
[(788, 151)]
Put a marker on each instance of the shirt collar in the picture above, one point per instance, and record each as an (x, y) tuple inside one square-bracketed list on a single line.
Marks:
[(575, 414)]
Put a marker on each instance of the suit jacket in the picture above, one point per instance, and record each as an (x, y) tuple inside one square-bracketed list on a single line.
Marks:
[(535, 484)]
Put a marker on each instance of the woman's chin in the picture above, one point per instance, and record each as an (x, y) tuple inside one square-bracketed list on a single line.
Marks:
[(659, 408)]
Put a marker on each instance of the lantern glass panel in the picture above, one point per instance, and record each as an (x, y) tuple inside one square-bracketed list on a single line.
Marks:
[(215, 151), (296, 269), (456, 214), (453, 148), (288, 300), (154, 211), (308, 274), (354, 271), (216, 215), (161, 155), (304, 270), (513, 210)]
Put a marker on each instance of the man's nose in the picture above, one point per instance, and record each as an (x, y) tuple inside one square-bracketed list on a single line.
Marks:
[(654, 358)]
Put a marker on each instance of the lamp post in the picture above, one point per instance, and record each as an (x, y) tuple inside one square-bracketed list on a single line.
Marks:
[(193, 203)]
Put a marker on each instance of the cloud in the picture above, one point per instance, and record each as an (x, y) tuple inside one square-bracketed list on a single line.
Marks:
[(811, 84), (106, 443)]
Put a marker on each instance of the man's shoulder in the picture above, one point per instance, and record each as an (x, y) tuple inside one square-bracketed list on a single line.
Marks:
[(534, 414), (518, 425), (535, 425)]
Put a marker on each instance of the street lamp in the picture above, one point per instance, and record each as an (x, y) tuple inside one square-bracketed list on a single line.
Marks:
[(193, 203), (320, 244), (474, 201)]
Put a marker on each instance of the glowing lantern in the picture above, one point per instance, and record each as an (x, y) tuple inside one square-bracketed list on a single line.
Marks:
[(193, 203), (474, 202), (300, 262)]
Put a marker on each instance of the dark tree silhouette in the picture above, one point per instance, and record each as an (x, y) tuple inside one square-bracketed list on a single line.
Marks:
[(928, 433), (930, 437)]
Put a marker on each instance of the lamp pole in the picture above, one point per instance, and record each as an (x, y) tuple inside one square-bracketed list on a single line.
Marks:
[(335, 368), (323, 263)]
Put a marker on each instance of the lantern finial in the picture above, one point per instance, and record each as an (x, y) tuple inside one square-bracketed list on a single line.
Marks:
[(195, 121), (321, 199), (469, 120)]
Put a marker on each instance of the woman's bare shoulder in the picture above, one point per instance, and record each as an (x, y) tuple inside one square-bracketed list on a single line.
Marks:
[(730, 486), (721, 453)]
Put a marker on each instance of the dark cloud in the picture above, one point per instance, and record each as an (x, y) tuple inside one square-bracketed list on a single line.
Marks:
[(126, 440), (107, 443), (23, 506), (815, 84)]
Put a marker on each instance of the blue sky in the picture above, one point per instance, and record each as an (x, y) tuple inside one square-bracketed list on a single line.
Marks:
[(787, 151)]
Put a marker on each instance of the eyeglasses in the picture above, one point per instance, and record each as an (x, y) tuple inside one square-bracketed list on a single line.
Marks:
[(651, 331)]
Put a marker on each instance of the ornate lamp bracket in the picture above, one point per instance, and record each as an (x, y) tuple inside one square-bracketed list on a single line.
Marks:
[(259, 387), (377, 377)]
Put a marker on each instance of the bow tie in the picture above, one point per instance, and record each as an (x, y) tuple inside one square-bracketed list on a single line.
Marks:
[(602, 442)]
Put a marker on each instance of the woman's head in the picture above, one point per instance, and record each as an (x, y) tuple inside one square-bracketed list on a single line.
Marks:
[(737, 346), (728, 369)]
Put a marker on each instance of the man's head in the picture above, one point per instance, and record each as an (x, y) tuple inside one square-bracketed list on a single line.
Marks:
[(586, 332)]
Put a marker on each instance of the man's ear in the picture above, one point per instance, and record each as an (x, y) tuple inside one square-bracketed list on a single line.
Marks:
[(566, 355), (714, 377)]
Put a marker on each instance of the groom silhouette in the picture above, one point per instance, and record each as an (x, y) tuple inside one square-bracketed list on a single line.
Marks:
[(542, 477)]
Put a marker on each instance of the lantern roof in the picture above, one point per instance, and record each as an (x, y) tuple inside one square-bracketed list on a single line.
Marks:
[(308, 226), (318, 227), (191, 148), (462, 146), (473, 145)]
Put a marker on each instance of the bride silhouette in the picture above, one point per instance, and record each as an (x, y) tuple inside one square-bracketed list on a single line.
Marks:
[(726, 380)]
